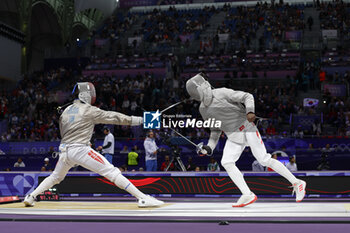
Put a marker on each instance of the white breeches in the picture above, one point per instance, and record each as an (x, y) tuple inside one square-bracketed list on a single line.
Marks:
[(86, 157), (233, 151)]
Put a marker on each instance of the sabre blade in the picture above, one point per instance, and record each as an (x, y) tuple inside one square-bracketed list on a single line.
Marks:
[(261, 118), (167, 108), (171, 106), (188, 140)]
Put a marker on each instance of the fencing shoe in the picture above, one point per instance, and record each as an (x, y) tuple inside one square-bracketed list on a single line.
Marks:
[(149, 201), (299, 190), (246, 199), (29, 201)]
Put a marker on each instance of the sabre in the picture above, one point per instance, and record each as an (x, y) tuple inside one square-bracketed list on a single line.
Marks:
[(171, 106), (188, 140), (199, 147), (261, 118), (167, 108)]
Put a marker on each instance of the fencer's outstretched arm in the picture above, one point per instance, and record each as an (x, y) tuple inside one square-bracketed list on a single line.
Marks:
[(241, 97), (214, 138), (100, 116)]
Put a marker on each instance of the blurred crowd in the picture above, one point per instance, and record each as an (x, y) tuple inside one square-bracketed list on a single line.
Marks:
[(172, 2), (112, 30), (243, 23), (335, 15), (29, 109), (257, 28), (165, 27)]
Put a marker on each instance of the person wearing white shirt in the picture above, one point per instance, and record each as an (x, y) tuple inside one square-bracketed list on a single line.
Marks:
[(19, 163), (292, 165), (151, 150), (108, 145), (257, 167)]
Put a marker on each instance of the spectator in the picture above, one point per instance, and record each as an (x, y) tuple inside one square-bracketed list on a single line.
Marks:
[(311, 147), (323, 165), (136, 149), (310, 22), (151, 150), (133, 158), (274, 156), (47, 164), (327, 149), (165, 164), (190, 165), (282, 152), (51, 151), (197, 169), (316, 128), (257, 167), (322, 76), (291, 165), (19, 163), (107, 148), (271, 130), (125, 150), (299, 133), (213, 165), (124, 167)]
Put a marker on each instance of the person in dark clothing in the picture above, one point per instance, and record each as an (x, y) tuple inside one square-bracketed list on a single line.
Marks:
[(190, 165)]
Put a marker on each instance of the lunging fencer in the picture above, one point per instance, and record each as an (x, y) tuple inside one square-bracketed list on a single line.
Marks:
[(236, 111), (76, 127)]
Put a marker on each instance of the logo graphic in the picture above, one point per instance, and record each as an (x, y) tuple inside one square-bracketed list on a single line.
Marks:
[(23, 183), (151, 120)]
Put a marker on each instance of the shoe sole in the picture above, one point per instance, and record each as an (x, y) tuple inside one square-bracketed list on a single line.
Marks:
[(242, 205), (150, 206), (27, 204), (146, 206)]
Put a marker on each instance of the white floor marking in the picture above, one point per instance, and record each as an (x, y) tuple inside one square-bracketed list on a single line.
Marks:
[(202, 209)]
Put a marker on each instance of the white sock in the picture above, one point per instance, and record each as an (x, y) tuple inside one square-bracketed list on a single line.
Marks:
[(278, 167), (125, 184), (44, 185), (237, 178)]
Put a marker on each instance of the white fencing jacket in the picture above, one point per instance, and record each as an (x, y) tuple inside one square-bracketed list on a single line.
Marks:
[(231, 108), (78, 120)]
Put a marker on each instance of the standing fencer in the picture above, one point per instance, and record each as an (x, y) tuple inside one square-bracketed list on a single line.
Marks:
[(235, 110), (76, 126)]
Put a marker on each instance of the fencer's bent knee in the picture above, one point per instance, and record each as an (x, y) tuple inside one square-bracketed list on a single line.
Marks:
[(226, 164), (266, 162), (112, 176), (56, 179), (226, 160)]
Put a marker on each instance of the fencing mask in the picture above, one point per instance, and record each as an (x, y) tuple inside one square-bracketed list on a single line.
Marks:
[(199, 89), (87, 93)]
